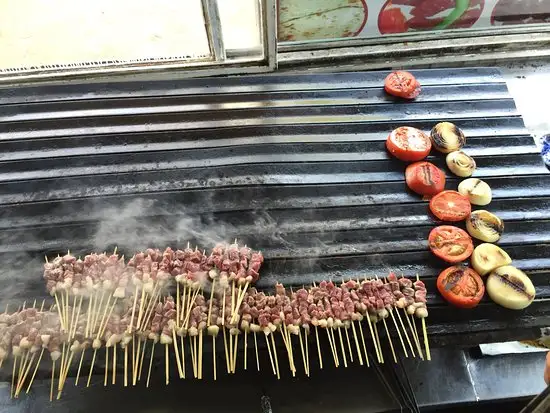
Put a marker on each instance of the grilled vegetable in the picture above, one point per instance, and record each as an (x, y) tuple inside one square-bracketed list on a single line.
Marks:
[(510, 287), (485, 226), (461, 286), (447, 137), (488, 257), (425, 178), (477, 191), (451, 244), (408, 144), (450, 206), (461, 164), (402, 84)]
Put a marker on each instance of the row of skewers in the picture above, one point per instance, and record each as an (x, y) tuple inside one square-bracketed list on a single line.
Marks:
[(125, 310)]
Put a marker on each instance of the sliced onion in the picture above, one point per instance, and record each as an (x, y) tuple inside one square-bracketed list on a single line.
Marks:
[(510, 288), (485, 226), (461, 164), (447, 137), (477, 191), (488, 257)]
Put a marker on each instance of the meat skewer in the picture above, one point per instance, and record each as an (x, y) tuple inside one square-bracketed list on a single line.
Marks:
[(114, 319)]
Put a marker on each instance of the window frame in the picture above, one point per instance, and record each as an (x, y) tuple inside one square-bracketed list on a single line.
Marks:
[(216, 64)]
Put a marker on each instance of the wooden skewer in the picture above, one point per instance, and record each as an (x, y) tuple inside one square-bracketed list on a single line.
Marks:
[(25, 374), (59, 310), (214, 358), (89, 315), (332, 335), (235, 352), (270, 354), (195, 295), (79, 366), (176, 350), (126, 365), (182, 354), (96, 316), (66, 310), (65, 373), (200, 354), (245, 347), (227, 362), (113, 382), (363, 342), (275, 356), (256, 348), (62, 364), (378, 343), (22, 367), (73, 321), (151, 362), (348, 343), (193, 359), (342, 347), (374, 341), (389, 340), (91, 369), (167, 364), (141, 305), (12, 391), (357, 348), (406, 334), (318, 348), (240, 298), (399, 333), (142, 358), (150, 307), (52, 383), (303, 353), (334, 354), (71, 336), (106, 366), (177, 305), (412, 327), (102, 328), (288, 344), (306, 334), (35, 370), (426, 344)]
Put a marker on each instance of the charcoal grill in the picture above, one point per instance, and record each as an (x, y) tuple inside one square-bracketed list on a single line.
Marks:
[(294, 165)]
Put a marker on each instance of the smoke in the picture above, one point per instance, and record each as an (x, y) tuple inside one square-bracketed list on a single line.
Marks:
[(141, 224)]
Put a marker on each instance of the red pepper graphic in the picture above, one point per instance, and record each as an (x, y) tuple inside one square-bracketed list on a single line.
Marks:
[(428, 15)]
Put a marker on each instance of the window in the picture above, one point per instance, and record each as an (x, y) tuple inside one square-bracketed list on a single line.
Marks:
[(45, 39)]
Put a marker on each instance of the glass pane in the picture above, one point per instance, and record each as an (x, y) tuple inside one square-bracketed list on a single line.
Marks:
[(306, 20), (240, 24), (37, 33)]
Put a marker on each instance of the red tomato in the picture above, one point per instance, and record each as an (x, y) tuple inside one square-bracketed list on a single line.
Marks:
[(450, 243), (450, 206), (392, 21), (461, 286), (408, 144), (402, 84), (425, 178)]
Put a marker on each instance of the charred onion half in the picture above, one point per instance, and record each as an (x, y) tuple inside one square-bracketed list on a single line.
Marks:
[(510, 288), (447, 137), (485, 226), (477, 191)]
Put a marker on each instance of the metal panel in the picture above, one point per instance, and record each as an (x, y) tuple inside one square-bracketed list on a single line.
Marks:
[(292, 164)]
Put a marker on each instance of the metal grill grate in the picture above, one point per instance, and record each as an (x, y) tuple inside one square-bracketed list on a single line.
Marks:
[(292, 164)]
